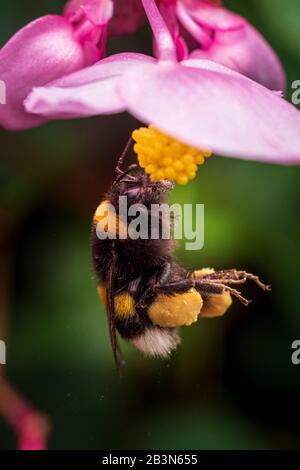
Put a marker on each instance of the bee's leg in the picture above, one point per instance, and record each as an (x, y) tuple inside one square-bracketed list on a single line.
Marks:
[(157, 279), (232, 276), (162, 275), (182, 285), (134, 285), (204, 286), (227, 277), (214, 289), (214, 305), (131, 287)]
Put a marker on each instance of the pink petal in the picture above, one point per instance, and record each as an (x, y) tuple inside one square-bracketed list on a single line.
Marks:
[(247, 52), (212, 16), (42, 51), (209, 106), (98, 12), (129, 16), (87, 92)]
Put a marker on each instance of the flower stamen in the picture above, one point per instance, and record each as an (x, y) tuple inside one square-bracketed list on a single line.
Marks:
[(163, 157)]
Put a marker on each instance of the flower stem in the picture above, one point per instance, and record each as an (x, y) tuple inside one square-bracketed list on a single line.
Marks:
[(31, 426)]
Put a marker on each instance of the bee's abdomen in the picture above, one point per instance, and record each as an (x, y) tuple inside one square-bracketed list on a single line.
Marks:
[(128, 322), (156, 341), (136, 326)]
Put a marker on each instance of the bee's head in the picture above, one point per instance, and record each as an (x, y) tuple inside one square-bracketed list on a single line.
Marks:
[(137, 186), (139, 189)]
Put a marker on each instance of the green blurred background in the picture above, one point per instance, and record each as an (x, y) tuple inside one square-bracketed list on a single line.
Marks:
[(231, 385)]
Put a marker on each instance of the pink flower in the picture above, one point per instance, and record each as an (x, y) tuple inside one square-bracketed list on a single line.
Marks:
[(90, 20), (129, 15), (206, 30), (199, 102), (49, 48)]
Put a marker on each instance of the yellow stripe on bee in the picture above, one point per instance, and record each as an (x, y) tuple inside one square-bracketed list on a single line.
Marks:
[(102, 293), (107, 220), (176, 310), (124, 305)]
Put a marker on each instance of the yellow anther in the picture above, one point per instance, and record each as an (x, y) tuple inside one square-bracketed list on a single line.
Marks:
[(181, 179), (192, 168), (170, 173), (157, 175), (166, 158), (151, 169), (178, 165), (187, 159), (167, 161), (200, 159), (143, 161)]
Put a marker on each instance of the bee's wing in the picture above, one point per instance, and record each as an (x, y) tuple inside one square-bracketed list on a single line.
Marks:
[(111, 314)]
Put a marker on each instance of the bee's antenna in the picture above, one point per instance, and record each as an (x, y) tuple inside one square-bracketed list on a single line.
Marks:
[(119, 171)]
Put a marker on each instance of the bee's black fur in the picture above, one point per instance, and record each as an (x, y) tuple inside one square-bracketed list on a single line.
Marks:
[(146, 268), (140, 264)]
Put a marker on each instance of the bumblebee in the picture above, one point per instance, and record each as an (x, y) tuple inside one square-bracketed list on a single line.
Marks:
[(147, 294)]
